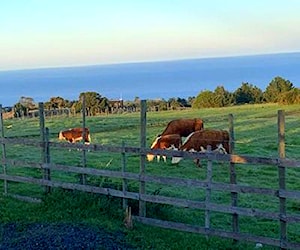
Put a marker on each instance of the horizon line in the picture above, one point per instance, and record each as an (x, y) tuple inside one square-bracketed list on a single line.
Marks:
[(145, 61)]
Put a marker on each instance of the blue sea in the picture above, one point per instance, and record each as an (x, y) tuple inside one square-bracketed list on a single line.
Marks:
[(149, 80)]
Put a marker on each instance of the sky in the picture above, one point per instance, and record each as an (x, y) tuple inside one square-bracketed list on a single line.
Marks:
[(59, 33)]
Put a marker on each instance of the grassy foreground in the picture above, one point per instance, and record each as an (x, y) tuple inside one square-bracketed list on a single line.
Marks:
[(255, 129)]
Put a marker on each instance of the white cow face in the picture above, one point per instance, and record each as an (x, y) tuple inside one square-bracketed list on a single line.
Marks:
[(150, 157)]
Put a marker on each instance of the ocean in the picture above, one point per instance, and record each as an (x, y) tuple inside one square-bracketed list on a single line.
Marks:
[(149, 80)]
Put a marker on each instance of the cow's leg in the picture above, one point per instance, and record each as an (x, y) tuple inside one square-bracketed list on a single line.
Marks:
[(197, 162), (165, 158), (158, 158), (87, 143), (69, 148)]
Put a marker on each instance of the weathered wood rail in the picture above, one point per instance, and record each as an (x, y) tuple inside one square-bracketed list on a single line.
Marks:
[(208, 185)]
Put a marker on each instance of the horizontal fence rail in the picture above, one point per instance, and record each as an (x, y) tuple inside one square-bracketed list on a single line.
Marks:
[(169, 200), (161, 180), (242, 159)]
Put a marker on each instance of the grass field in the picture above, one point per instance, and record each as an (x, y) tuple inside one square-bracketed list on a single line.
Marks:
[(255, 130)]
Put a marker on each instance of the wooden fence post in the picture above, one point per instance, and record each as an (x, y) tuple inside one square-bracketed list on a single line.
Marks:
[(208, 190), (44, 139), (47, 159), (124, 181), (234, 195), (83, 176), (142, 204), (282, 179), (3, 149), (42, 129)]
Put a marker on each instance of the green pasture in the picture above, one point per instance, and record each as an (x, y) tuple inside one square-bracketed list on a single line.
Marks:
[(255, 132)]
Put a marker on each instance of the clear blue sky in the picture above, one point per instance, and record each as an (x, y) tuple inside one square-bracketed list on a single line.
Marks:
[(54, 33)]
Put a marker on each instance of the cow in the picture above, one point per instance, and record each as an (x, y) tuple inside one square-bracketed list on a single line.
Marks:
[(165, 142), (199, 140), (74, 135), (183, 127)]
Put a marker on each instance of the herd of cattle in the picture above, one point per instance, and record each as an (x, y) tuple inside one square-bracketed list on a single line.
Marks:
[(180, 134), (190, 135)]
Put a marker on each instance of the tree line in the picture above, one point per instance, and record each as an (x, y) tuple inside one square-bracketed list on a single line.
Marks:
[(279, 91)]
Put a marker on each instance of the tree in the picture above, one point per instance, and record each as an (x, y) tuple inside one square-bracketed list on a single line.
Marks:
[(163, 105), (103, 104), (204, 100), (248, 93), (173, 103), (94, 103), (20, 110), (137, 102), (190, 100), (277, 87), (77, 107), (27, 102), (23, 106), (157, 104), (290, 97), (222, 97), (183, 102), (57, 102)]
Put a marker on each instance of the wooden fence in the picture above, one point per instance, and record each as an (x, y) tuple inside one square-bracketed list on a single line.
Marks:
[(233, 209)]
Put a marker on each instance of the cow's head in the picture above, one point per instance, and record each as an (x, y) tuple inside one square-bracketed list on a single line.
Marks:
[(198, 124), (154, 145), (61, 136), (150, 157)]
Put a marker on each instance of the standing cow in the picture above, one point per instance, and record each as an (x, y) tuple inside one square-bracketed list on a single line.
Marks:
[(199, 140), (73, 135), (183, 127), (165, 142)]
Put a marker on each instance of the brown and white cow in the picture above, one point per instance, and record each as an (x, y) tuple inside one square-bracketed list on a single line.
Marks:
[(73, 135), (199, 140), (165, 142), (183, 127)]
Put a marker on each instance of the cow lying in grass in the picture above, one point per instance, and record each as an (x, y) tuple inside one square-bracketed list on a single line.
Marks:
[(74, 135), (199, 140)]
